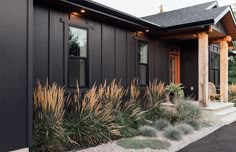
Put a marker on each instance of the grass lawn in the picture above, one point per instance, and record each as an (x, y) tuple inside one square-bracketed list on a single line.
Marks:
[(143, 143)]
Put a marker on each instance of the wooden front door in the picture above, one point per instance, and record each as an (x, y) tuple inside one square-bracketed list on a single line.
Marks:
[(174, 65)]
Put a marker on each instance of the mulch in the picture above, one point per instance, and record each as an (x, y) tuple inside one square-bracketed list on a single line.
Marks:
[(222, 140)]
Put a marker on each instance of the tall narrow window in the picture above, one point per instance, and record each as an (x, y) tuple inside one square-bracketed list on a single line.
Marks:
[(143, 62), (214, 68), (77, 59), (174, 65)]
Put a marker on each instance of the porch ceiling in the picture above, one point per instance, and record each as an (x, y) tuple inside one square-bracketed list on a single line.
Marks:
[(188, 34), (194, 35), (230, 26)]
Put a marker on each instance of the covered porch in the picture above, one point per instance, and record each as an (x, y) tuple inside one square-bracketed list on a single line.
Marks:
[(222, 32)]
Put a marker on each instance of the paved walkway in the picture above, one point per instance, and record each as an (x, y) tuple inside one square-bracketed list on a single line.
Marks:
[(222, 140)]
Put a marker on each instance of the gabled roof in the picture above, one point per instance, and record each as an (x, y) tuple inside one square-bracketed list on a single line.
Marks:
[(202, 14), (198, 16)]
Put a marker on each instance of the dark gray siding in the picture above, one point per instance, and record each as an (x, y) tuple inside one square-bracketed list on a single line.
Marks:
[(41, 45), (108, 53), (189, 67), (95, 53), (15, 74), (112, 49), (120, 54)]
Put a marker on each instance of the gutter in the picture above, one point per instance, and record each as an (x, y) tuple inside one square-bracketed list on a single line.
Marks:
[(189, 25), (110, 12)]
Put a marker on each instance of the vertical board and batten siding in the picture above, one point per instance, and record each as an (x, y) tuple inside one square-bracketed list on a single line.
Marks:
[(56, 49), (15, 74), (108, 53), (112, 50), (95, 53), (120, 55), (189, 67), (41, 45), (131, 57)]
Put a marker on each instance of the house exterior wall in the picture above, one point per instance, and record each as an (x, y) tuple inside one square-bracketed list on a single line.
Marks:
[(189, 67), (15, 74), (112, 49), (33, 47)]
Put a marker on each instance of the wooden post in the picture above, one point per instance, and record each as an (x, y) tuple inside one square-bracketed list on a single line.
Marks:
[(203, 69), (224, 70)]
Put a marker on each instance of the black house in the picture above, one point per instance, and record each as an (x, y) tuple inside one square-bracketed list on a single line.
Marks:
[(65, 41)]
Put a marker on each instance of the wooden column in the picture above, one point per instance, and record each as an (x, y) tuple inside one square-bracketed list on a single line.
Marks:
[(203, 69), (224, 70)]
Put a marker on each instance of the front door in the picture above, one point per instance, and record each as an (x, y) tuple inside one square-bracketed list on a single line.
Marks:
[(174, 65)]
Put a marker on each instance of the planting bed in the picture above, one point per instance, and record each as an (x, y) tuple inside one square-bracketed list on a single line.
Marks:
[(175, 145)]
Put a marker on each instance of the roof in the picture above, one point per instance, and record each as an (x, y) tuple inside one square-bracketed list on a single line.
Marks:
[(110, 12), (197, 16), (206, 13)]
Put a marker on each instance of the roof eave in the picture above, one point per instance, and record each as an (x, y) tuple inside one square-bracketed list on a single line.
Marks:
[(190, 25), (215, 3), (110, 12), (228, 9)]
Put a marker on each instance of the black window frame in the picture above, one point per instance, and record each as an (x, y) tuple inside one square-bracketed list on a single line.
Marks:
[(145, 64), (212, 67), (68, 56)]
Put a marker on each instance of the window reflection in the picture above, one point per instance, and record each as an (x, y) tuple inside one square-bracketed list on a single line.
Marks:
[(77, 62), (142, 62), (77, 42)]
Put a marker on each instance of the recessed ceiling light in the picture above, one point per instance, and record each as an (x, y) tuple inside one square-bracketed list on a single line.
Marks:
[(140, 32), (75, 13), (82, 11), (194, 35), (147, 31)]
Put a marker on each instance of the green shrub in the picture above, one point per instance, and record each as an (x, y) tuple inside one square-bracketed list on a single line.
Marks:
[(185, 128), (102, 114), (232, 70), (154, 96), (145, 143), (173, 133), (148, 131), (128, 114), (48, 132), (174, 91), (205, 124), (232, 93), (195, 124), (91, 122), (171, 116), (161, 124), (187, 110), (155, 93), (128, 132)]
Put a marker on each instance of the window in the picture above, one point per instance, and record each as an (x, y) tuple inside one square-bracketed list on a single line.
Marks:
[(214, 69), (174, 65), (77, 59), (142, 62)]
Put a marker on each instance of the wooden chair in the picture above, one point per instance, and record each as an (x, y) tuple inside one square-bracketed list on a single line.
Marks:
[(212, 94)]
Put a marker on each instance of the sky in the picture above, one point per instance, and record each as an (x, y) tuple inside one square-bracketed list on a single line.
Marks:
[(141, 8)]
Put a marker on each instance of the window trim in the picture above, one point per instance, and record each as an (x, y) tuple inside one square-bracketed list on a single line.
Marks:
[(213, 68), (67, 24), (177, 55), (137, 40)]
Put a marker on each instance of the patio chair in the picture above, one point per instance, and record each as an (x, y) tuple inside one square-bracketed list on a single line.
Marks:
[(213, 95)]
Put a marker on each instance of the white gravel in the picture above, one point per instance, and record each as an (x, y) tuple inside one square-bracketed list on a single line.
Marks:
[(175, 145)]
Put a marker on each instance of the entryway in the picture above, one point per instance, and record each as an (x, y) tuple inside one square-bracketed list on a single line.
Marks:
[(174, 65)]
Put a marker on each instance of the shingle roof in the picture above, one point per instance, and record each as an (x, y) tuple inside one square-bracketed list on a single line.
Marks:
[(193, 14)]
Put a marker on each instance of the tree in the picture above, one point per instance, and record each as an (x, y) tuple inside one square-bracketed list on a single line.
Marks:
[(232, 70), (73, 44)]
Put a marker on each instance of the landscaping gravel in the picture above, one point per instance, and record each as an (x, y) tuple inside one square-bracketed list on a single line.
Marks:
[(175, 145)]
